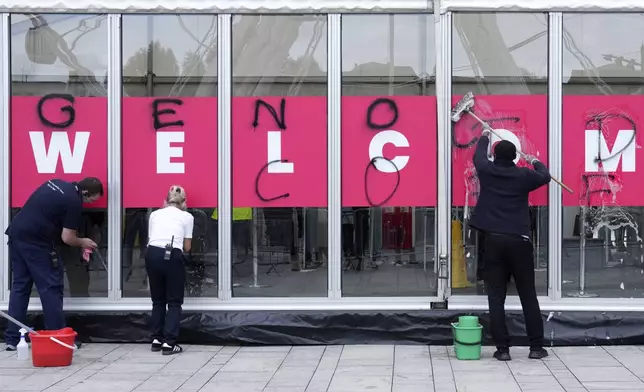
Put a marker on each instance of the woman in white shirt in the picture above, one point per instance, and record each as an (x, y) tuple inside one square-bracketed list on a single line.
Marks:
[(170, 234)]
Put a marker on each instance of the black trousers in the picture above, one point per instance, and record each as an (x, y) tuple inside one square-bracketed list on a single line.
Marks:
[(506, 256), (167, 279)]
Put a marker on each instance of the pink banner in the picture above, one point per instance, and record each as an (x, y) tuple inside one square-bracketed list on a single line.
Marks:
[(522, 119), (279, 152), (174, 140), (389, 151), (166, 141), (601, 148), (57, 136)]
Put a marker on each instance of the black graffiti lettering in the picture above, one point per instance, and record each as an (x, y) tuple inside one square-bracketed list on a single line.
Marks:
[(366, 176), (280, 119), (259, 194), (585, 179), (371, 124), (156, 113), (600, 119), (69, 109), (476, 130), (393, 108)]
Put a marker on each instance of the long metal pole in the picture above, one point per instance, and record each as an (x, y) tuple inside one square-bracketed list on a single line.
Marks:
[(255, 284), (306, 231), (582, 258), (582, 248), (424, 239), (255, 252), (372, 234), (303, 239)]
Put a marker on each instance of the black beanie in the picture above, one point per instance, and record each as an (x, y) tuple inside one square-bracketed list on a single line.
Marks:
[(505, 151)]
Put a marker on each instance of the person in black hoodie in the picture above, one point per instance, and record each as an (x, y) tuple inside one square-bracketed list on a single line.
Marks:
[(502, 214)]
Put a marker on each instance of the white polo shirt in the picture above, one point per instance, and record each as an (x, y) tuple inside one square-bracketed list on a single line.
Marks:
[(168, 222)]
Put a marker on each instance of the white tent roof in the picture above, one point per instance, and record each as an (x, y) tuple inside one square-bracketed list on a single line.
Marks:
[(312, 6), (541, 5), (215, 6)]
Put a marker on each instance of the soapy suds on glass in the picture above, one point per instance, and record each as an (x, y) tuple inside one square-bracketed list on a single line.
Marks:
[(466, 143), (598, 201), (603, 215)]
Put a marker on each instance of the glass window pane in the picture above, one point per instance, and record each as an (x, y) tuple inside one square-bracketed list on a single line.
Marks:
[(279, 156), (169, 138), (388, 156), (603, 220), (61, 62), (503, 59)]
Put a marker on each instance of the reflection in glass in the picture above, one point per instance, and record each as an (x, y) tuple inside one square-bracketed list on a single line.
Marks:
[(498, 54), (388, 251), (170, 56), (56, 53), (279, 251), (602, 252)]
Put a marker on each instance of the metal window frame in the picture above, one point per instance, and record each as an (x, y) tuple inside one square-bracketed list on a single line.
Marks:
[(5, 163), (334, 155), (443, 37), (224, 155), (555, 20), (114, 162), (555, 88), (334, 301)]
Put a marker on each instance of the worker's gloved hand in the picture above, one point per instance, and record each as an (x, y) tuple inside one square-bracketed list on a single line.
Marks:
[(87, 254), (531, 159)]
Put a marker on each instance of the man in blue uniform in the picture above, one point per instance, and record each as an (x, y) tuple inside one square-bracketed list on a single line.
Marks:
[(51, 214), (502, 213)]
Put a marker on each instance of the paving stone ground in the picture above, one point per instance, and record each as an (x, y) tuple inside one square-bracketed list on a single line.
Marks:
[(132, 367)]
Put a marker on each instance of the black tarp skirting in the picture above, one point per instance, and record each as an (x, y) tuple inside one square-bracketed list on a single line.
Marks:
[(345, 327)]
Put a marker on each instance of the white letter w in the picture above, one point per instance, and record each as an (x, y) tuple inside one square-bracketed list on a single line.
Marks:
[(59, 146)]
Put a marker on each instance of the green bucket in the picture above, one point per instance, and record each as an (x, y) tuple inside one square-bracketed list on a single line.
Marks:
[(468, 321), (467, 338)]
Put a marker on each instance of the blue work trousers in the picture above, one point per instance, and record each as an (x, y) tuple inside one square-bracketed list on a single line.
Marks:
[(33, 264)]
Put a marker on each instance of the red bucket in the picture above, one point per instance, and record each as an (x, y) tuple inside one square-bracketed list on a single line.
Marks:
[(53, 348)]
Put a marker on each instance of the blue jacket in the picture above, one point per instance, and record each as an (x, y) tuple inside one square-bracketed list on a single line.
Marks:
[(54, 205)]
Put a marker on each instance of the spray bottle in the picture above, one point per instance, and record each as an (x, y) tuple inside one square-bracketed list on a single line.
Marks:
[(23, 347)]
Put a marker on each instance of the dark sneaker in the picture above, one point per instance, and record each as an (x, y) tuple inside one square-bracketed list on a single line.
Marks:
[(171, 350), (78, 343), (502, 355), (156, 346), (11, 347), (538, 354)]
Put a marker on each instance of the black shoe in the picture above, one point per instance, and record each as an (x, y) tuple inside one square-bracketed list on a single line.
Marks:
[(11, 347), (156, 345), (78, 344), (538, 354), (502, 355), (171, 350)]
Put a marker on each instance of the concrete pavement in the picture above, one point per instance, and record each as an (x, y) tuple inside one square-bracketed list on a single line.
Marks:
[(131, 367)]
